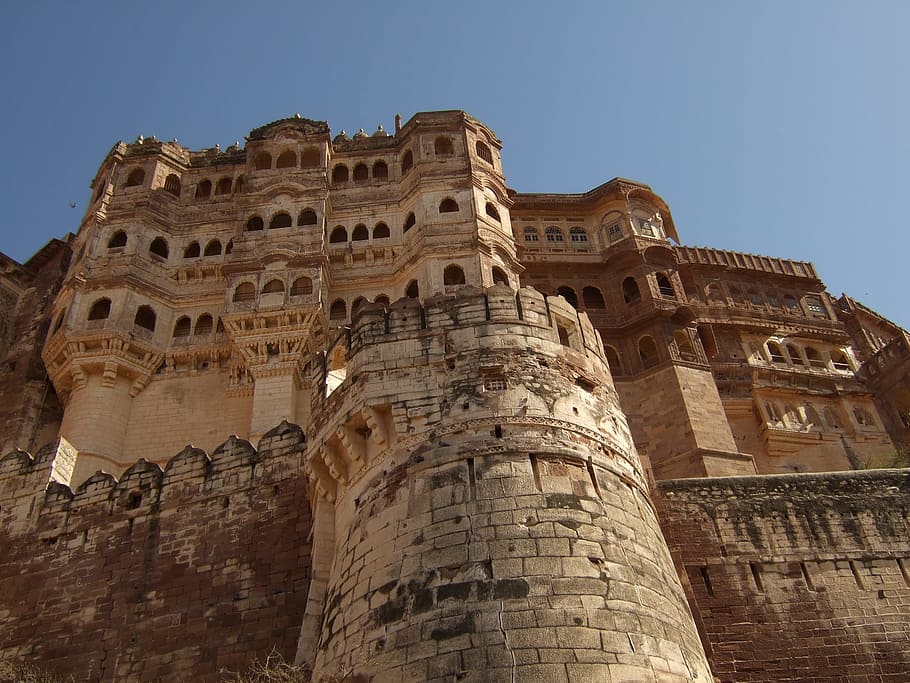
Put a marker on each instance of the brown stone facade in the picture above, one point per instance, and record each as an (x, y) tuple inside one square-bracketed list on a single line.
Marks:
[(533, 429)]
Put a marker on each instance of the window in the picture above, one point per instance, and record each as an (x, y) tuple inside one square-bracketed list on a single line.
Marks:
[(531, 235), (191, 250), (614, 233), (358, 304), (135, 178), (554, 234), (245, 292), (338, 310), (684, 346), (361, 173), (382, 300), (204, 189), (381, 231), (307, 217), (223, 187), (262, 161), (832, 418), (816, 307), (230, 247), (213, 248), (499, 276), (613, 361), (311, 158), (630, 292), (117, 240), (443, 147), (145, 318), (172, 185), (413, 290), (755, 298), (360, 233), (492, 212), (409, 222), (380, 170), (453, 275), (647, 352), (839, 361), (646, 227), (339, 235), (814, 357), (302, 286), (664, 286), (563, 334), (593, 298), (100, 310), (713, 292), (483, 151), (569, 295), (791, 303), (407, 162), (286, 159), (254, 223), (203, 325), (793, 352), (776, 353), (339, 174), (281, 220), (448, 205), (158, 247), (273, 287), (182, 328), (578, 235)]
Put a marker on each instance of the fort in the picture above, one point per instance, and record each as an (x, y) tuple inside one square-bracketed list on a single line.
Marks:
[(356, 401)]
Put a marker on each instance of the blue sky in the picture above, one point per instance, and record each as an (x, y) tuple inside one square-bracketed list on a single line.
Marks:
[(777, 128)]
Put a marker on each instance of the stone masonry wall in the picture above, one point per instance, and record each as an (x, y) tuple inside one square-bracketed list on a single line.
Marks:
[(802, 577), (161, 575)]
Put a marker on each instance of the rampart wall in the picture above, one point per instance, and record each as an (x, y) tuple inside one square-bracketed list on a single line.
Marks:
[(162, 575), (802, 577)]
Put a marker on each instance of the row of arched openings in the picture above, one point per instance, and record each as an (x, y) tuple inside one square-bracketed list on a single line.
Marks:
[(361, 173), (311, 157), (184, 326), (145, 315), (160, 248), (222, 188), (805, 356), (246, 291), (136, 178), (360, 232), (282, 219), (556, 236)]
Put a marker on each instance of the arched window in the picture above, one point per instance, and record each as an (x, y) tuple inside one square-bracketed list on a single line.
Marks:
[(413, 290), (339, 174), (755, 297), (204, 189), (213, 248), (664, 286), (407, 162), (816, 307), (287, 159), (775, 353), (145, 318), (531, 235), (302, 286), (713, 292), (338, 310), (382, 299), (361, 173), (245, 292), (182, 328), (191, 250), (613, 361), (307, 217), (793, 352), (339, 235), (791, 303), (499, 276), (281, 220), (814, 357), (254, 223), (263, 161), (203, 325), (593, 298), (100, 310), (409, 222), (357, 305), (136, 177), (117, 240), (238, 186), (380, 170), (569, 295), (684, 346), (813, 419), (490, 208), (832, 418), (380, 231), (448, 205), (839, 361), (630, 291), (578, 235), (158, 247), (311, 158), (273, 287), (863, 417), (360, 233), (736, 295), (554, 234), (172, 184), (223, 187), (483, 151), (453, 275), (230, 247), (443, 147), (647, 352)]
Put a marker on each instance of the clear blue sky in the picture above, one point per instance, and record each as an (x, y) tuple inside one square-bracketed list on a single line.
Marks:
[(777, 128)]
